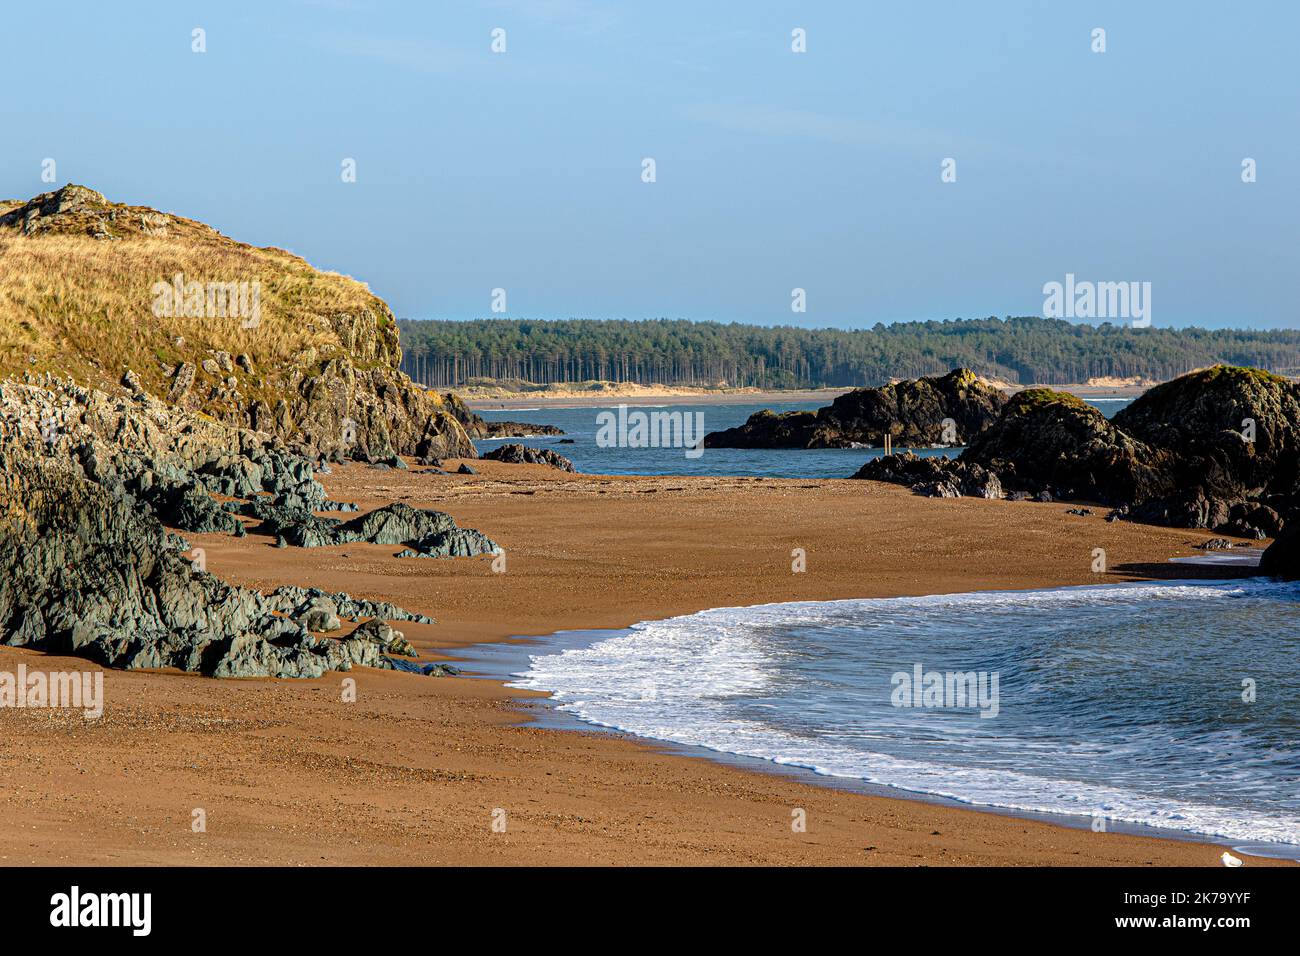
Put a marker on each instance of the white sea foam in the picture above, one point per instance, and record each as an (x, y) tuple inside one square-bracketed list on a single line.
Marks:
[(1241, 557), (680, 680)]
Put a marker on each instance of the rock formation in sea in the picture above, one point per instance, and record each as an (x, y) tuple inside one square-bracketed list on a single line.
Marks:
[(478, 427), (520, 430), (1050, 441), (946, 410), (486, 429), (1218, 448)]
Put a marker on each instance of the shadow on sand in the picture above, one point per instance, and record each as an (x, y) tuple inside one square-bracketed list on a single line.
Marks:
[(1177, 571)]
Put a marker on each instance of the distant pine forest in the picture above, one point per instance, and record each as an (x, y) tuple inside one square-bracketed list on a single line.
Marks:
[(449, 354)]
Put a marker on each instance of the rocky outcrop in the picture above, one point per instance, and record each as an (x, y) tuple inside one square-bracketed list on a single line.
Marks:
[(167, 461), (425, 532), (800, 429), (294, 601), (948, 410), (251, 338), (321, 615), (1282, 558), (1047, 441), (1235, 435), (70, 209), (524, 455), (380, 632), (370, 414), (934, 477), (478, 427), (520, 430), (451, 543), (432, 669), (1218, 449), (85, 572), (269, 368), (395, 524), (1044, 444), (88, 568), (490, 429), (172, 463)]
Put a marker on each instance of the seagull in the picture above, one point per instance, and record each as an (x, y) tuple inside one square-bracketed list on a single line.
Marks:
[(1229, 860)]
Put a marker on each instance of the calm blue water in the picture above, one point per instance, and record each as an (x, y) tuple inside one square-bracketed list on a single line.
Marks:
[(1120, 702), (581, 425)]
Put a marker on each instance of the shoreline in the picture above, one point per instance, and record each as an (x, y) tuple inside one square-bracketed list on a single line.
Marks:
[(411, 772), (495, 661), (517, 401), (641, 395)]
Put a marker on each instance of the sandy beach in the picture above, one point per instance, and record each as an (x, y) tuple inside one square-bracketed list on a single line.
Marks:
[(485, 400), (412, 772), (489, 399)]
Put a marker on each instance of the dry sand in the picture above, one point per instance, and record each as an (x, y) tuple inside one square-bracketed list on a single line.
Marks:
[(412, 772), (486, 400), (490, 399)]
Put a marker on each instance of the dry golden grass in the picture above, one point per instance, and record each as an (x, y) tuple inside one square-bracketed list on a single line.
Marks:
[(80, 305)]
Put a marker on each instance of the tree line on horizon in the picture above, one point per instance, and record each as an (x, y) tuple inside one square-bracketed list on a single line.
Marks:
[(1022, 350)]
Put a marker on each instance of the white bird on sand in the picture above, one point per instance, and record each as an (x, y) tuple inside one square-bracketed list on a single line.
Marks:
[(1229, 860)]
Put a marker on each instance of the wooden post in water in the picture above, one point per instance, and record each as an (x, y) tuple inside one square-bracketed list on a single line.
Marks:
[(889, 445)]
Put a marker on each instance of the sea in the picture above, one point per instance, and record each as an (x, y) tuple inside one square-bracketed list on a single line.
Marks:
[(582, 426), (1171, 706)]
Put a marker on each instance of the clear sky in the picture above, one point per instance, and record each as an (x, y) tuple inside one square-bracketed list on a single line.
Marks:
[(774, 170)]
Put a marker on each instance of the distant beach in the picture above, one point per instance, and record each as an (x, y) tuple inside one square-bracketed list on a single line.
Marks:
[(638, 394), (560, 397)]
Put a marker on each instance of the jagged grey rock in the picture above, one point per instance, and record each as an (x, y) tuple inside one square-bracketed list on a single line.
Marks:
[(395, 524), (87, 568), (452, 543), (84, 572), (292, 600), (391, 641), (524, 455), (321, 615)]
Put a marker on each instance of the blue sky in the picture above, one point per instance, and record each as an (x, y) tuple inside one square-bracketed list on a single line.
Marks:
[(775, 170)]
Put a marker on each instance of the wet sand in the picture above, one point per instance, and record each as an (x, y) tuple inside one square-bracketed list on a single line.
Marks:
[(416, 770)]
